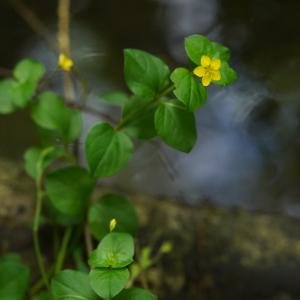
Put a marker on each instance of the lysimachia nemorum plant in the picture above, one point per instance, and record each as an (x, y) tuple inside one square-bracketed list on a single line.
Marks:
[(160, 103)]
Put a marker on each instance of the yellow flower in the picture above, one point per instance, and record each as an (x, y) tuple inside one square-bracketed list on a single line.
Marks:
[(112, 224), (65, 62), (209, 70)]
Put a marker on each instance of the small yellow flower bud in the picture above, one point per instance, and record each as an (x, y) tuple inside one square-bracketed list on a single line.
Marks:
[(65, 62), (112, 224), (166, 247)]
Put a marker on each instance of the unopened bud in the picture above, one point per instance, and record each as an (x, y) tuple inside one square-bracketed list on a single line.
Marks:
[(112, 224)]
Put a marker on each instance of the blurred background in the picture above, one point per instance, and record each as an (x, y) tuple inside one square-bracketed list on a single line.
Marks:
[(231, 206)]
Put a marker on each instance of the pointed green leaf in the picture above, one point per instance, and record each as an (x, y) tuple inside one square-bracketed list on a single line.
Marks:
[(51, 113), (9, 96), (14, 278), (107, 283), (16, 93), (188, 89), (176, 126), (197, 45), (135, 294), (29, 70), (178, 74), (108, 207), (27, 91), (107, 150), (72, 285), (68, 189), (115, 251), (27, 73), (228, 75), (145, 74)]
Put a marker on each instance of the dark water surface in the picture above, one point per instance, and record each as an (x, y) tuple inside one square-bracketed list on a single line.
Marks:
[(248, 147)]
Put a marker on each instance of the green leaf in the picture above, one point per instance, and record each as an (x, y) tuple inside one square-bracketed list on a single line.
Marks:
[(9, 96), (14, 278), (107, 283), (145, 74), (27, 91), (14, 95), (38, 159), (197, 45), (72, 285), (135, 294), (178, 74), (176, 126), (188, 90), (142, 125), (62, 219), (107, 151), (68, 189), (28, 70), (115, 251), (228, 75), (17, 93), (51, 113), (108, 207), (117, 98), (27, 73), (42, 296)]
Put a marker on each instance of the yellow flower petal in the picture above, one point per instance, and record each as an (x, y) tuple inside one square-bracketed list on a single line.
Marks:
[(205, 61), (215, 64), (206, 80), (65, 62), (216, 75), (199, 71)]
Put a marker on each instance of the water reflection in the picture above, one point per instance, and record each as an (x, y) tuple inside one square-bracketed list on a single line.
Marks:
[(181, 18)]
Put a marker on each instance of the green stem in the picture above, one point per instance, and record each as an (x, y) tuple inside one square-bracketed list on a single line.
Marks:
[(37, 215), (39, 284), (63, 249), (36, 242), (168, 90), (137, 112)]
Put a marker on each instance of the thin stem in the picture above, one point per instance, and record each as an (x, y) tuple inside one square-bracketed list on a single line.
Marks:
[(33, 21), (63, 249), (84, 86), (136, 112), (39, 284), (144, 280), (91, 111), (167, 90), (36, 242), (37, 215), (63, 38), (64, 26)]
